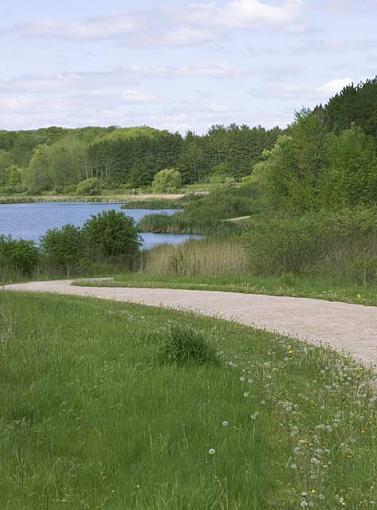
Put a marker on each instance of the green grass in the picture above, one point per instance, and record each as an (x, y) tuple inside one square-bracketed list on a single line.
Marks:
[(286, 285), (91, 420)]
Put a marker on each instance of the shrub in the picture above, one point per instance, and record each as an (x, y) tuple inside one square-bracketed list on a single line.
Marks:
[(185, 345), (63, 247), (111, 236), (340, 245), (18, 256), (89, 187), (205, 214), (167, 180)]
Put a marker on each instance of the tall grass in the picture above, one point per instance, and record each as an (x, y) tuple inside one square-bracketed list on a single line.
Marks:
[(197, 258), (7, 319)]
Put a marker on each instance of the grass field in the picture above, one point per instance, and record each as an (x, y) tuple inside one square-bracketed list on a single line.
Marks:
[(286, 285), (91, 419)]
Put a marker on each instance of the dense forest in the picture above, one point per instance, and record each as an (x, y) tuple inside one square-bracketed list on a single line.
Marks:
[(57, 159)]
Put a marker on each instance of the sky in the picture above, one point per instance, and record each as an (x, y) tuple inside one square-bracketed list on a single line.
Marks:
[(177, 64)]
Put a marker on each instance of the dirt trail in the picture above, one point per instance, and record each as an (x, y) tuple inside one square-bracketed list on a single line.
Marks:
[(345, 327)]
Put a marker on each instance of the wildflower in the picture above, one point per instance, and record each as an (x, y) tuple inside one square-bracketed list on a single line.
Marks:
[(246, 394), (225, 423), (212, 451), (242, 379)]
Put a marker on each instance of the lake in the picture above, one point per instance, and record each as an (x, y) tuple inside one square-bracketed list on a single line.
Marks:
[(31, 221)]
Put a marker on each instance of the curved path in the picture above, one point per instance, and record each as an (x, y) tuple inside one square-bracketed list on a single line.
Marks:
[(345, 327)]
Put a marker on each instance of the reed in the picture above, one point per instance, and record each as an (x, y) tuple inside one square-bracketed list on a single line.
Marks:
[(197, 258)]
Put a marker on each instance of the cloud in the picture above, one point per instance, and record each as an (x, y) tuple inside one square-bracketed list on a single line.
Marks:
[(95, 28), (245, 14), (118, 78), (332, 87), (194, 24)]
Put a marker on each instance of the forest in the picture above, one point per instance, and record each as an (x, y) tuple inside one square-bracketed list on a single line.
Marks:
[(57, 159)]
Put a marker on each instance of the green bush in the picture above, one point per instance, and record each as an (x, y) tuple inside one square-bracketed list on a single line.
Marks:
[(185, 345), (111, 236), (166, 181), (21, 257), (63, 247), (90, 186), (205, 214), (341, 245)]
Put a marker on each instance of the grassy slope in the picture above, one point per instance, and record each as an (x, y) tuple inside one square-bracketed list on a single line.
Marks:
[(278, 286), (90, 421)]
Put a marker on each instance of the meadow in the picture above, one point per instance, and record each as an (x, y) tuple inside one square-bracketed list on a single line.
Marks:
[(93, 416)]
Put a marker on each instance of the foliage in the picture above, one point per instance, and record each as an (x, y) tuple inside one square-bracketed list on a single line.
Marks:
[(184, 345), (18, 256), (38, 176), (63, 247), (342, 245), (310, 169), (205, 214), (111, 235), (89, 186), (56, 158), (166, 181), (355, 105)]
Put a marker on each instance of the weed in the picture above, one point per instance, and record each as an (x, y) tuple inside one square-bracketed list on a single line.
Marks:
[(185, 345)]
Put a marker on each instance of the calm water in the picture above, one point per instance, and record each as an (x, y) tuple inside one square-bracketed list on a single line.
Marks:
[(31, 221)]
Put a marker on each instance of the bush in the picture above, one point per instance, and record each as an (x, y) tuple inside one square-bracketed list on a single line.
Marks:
[(112, 236), (341, 245), (22, 257), (63, 247), (166, 181), (89, 187), (185, 345)]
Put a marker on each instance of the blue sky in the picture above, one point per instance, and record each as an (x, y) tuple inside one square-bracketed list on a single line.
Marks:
[(178, 64)]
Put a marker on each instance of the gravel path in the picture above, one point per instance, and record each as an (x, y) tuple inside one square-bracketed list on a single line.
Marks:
[(345, 327)]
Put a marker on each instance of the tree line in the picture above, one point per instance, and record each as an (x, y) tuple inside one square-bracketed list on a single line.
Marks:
[(57, 159)]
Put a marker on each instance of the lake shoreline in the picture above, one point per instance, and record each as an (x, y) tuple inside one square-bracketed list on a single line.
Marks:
[(104, 199)]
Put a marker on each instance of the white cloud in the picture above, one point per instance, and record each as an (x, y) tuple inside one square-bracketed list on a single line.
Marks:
[(332, 87), (107, 26), (245, 14), (117, 78), (196, 23)]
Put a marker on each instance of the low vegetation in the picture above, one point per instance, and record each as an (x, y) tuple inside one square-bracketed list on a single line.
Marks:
[(196, 258), (206, 214), (109, 239), (91, 418)]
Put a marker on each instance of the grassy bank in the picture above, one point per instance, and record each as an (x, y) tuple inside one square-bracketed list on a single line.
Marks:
[(285, 285), (112, 197), (94, 420)]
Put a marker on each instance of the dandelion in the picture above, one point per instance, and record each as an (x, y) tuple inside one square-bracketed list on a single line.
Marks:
[(211, 451)]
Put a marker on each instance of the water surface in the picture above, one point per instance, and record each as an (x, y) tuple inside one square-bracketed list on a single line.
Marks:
[(31, 221)]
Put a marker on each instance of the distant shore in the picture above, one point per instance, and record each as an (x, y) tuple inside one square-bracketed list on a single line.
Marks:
[(110, 198)]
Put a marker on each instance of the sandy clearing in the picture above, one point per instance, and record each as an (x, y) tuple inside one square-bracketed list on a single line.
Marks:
[(345, 327)]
